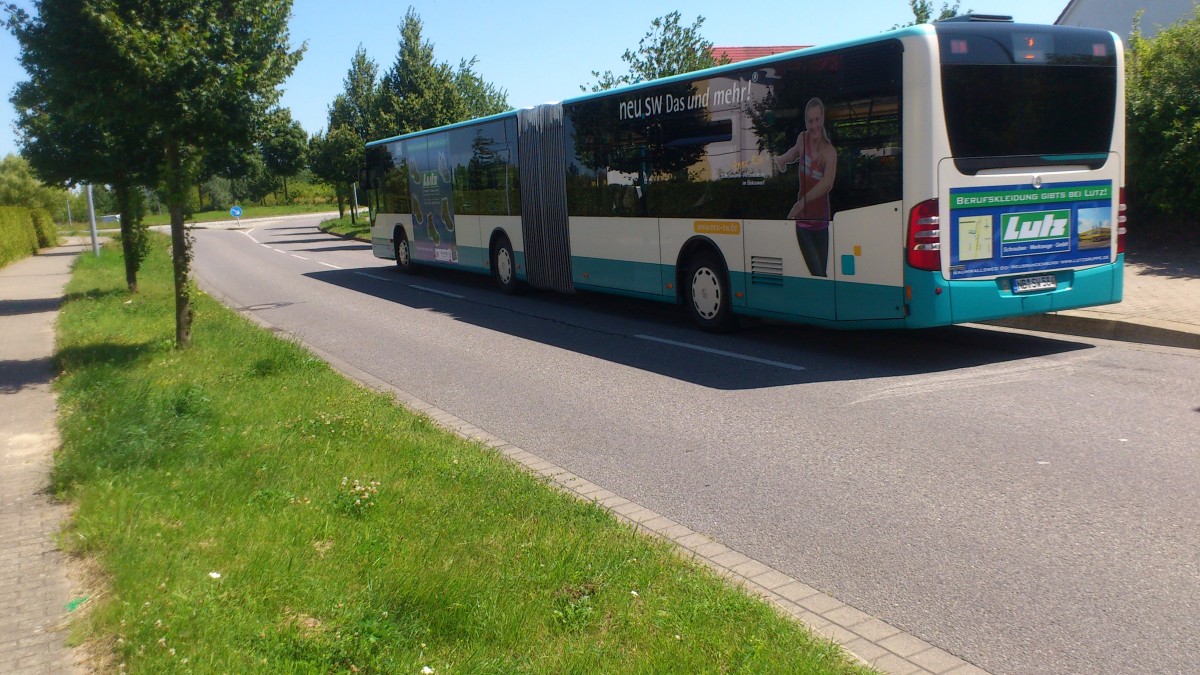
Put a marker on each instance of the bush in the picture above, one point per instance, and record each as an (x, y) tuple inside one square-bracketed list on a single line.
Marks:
[(1163, 98), (18, 237), (43, 228)]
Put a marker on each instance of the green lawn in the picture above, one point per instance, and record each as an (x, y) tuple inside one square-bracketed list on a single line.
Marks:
[(360, 229), (251, 510)]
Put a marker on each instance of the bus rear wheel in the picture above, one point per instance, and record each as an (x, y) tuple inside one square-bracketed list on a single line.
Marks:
[(707, 294), (504, 266)]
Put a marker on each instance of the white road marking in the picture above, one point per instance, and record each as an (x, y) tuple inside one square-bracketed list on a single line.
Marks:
[(456, 296), (247, 233), (376, 277), (299, 256), (328, 265), (720, 352), (433, 290)]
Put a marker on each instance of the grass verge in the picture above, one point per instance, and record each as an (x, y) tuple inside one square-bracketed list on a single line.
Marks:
[(247, 212), (253, 511), (361, 229)]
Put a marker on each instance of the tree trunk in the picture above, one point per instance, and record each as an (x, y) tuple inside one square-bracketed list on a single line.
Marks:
[(341, 205), (128, 236), (285, 194), (180, 250)]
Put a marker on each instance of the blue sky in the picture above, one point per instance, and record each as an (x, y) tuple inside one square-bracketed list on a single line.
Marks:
[(539, 51)]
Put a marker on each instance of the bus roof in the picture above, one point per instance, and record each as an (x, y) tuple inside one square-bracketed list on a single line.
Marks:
[(920, 29)]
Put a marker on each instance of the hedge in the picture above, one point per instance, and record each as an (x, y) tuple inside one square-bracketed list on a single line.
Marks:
[(23, 231)]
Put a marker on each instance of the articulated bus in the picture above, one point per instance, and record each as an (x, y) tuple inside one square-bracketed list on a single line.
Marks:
[(965, 170)]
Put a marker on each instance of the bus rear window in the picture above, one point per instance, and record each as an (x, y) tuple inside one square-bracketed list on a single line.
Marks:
[(1018, 98)]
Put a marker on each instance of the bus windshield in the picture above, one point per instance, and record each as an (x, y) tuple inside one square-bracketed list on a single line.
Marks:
[(1019, 96)]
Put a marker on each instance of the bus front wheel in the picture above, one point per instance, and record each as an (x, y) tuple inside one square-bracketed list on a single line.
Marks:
[(504, 266), (404, 261), (708, 298)]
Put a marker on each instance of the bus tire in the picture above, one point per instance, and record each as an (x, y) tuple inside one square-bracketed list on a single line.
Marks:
[(707, 294), (403, 250), (504, 266)]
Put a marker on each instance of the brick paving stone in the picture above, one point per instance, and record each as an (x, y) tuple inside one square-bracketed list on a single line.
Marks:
[(820, 603), (839, 634), (904, 644), (613, 502), (796, 591), (966, 669), (813, 620), (750, 569), (677, 533), (659, 524), (894, 665), (627, 508), (730, 559), (937, 661), (875, 629), (847, 616), (693, 541), (712, 549), (643, 516), (772, 579), (866, 650)]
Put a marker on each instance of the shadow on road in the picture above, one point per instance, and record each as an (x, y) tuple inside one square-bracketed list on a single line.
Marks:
[(764, 354)]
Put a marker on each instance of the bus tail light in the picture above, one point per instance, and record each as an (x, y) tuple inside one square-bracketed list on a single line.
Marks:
[(925, 237), (1121, 222)]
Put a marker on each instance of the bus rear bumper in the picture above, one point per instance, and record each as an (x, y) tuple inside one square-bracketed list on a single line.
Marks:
[(934, 301)]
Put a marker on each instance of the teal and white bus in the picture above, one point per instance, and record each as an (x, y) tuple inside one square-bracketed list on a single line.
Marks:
[(966, 170)]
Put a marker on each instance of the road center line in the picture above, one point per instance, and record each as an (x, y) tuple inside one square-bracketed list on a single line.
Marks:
[(328, 265), (376, 277), (456, 296), (299, 256), (720, 352), (435, 291)]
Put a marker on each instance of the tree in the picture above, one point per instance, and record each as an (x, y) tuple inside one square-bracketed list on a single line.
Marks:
[(1163, 99), (479, 97), (357, 107), (203, 74), (418, 92), (335, 158), (20, 187), (923, 12), (668, 48), (284, 146), (76, 124)]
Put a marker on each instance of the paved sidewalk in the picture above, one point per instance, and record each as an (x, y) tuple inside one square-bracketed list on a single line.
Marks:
[(1161, 305), (34, 589)]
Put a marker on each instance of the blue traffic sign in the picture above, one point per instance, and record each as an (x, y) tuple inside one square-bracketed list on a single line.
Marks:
[(236, 212)]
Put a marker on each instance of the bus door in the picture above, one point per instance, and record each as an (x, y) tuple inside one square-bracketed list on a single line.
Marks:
[(779, 277), (866, 263)]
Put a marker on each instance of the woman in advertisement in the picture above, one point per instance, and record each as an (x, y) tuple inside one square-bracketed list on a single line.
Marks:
[(817, 160)]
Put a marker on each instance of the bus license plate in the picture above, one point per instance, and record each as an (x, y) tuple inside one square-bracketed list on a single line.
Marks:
[(1045, 282)]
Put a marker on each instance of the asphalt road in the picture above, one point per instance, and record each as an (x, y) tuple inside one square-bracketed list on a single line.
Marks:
[(1027, 503)]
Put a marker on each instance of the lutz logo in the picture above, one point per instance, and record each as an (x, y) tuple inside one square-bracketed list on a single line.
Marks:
[(1038, 226)]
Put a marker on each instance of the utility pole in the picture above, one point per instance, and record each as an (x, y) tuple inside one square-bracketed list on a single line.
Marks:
[(92, 217)]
